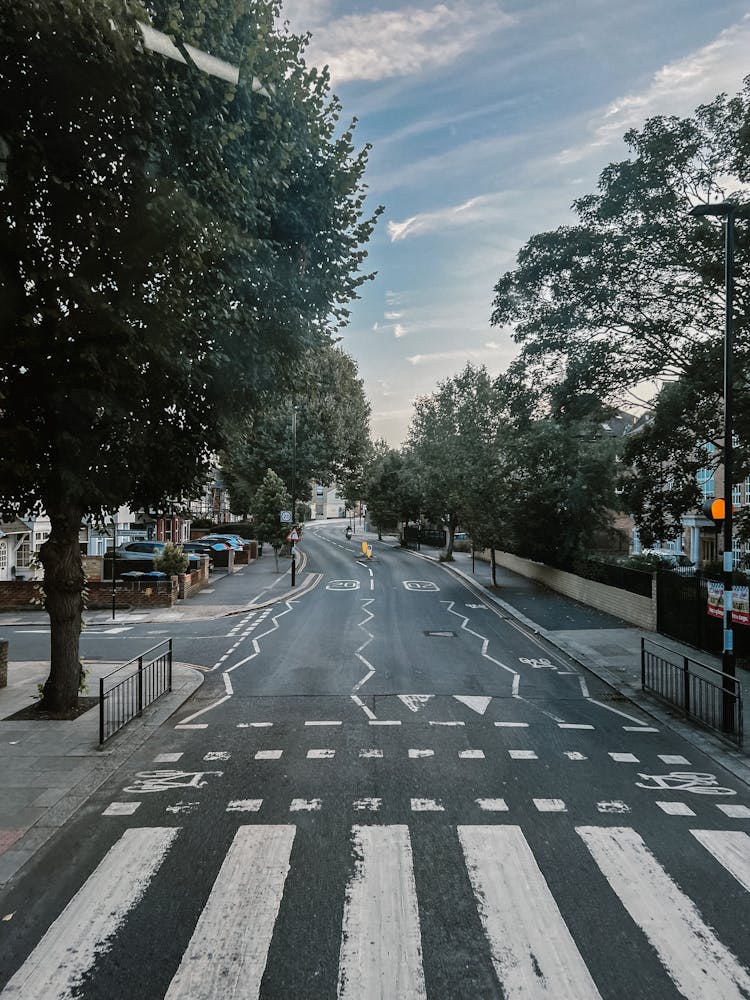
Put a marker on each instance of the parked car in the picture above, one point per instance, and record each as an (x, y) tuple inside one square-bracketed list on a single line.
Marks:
[(229, 542), (677, 560), (142, 550), (235, 539), (202, 550)]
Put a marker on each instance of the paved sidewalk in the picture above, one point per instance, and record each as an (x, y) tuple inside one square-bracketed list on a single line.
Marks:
[(607, 646), (51, 768), (253, 586)]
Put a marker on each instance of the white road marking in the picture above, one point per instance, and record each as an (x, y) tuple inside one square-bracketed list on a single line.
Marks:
[(736, 812), (367, 754), (367, 805), (698, 963), (385, 722), (447, 723), (550, 805), (228, 683), (421, 586), (324, 722), (121, 809), (321, 754), (614, 806), (533, 952), (244, 805), (416, 754), (167, 758), (426, 805), (415, 701), (512, 725), (673, 758), (268, 754), (227, 954), (381, 947), (640, 729), (492, 805), (254, 725), (625, 758), (368, 711), (575, 755), (731, 848), (305, 805), (202, 711), (617, 711), (573, 725), (476, 703), (675, 808), (522, 755), (87, 926), (217, 755), (471, 754), (197, 725)]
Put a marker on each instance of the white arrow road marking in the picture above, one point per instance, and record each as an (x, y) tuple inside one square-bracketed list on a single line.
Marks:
[(476, 703), (227, 954), (85, 929), (698, 963), (532, 949), (381, 945)]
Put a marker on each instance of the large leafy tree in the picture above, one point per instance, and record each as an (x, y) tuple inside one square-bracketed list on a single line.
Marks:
[(631, 295), (181, 220), (453, 441), (270, 499), (332, 429)]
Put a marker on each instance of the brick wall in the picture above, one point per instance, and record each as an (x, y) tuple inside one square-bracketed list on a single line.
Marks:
[(192, 583), (93, 567), (633, 608), (17, 595), (133, 594)]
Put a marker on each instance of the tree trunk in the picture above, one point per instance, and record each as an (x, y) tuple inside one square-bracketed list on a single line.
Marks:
[(64, 583), (494, 566), (452, 522)]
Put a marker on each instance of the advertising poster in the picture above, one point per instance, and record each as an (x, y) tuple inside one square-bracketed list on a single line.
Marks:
[(741, 606), (715, 599)]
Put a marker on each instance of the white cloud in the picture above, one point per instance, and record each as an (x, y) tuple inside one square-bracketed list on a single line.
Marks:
[(399, 331), (393, 43), (467, 354), (393, 315), (483, 208), (676, 88)]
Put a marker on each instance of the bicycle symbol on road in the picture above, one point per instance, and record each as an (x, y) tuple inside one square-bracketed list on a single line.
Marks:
[(162, 781), (685, 781), (540, 664)]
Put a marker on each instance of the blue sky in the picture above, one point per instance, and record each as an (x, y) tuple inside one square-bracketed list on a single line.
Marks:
[(487, 119)]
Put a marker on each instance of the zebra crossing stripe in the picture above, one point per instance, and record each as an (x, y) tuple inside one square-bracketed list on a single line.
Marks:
[(85, 929), (731, 848), (532, 950), (698, 963), (381, 945), (226, 956)]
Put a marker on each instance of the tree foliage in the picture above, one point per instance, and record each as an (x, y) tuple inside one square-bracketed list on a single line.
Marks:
[(270, 499), (632, 294), (174, 234), (332, 429)]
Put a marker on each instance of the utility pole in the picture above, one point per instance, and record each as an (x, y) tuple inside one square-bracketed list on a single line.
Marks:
[(294, 492)]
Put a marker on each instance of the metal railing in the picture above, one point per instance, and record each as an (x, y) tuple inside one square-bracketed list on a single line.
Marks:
[(150, 677), (705, 695)]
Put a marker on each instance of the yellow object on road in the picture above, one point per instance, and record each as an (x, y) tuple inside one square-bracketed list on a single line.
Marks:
[(369, 551), (364, 548)]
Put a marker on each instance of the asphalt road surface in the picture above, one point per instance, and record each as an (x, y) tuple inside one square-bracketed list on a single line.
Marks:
[(387, 789)]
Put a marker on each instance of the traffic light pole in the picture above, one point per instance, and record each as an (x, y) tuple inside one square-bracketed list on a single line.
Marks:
[(727, 656)]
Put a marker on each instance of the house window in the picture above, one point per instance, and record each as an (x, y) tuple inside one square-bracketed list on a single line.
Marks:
[(3, 555), (736, 494), (23, 555), (705, 479)]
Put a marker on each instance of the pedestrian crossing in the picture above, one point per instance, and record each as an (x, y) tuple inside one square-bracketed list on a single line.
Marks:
[(534, 951)]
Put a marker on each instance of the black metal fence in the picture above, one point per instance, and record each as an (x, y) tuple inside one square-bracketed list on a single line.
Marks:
[(415, 536), (637, 581), (142, 680), (682, 613), (705, 695)]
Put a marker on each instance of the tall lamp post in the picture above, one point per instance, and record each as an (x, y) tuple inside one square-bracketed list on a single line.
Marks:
[(727, 210), (294, 492)]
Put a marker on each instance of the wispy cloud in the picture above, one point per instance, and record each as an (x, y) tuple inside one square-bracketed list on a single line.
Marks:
[(479, 209), (466, 354), (393, 315), (392, 43), (675, 89)]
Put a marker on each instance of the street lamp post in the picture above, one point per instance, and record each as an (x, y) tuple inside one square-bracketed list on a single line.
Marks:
[(294, 493), (727, 210)]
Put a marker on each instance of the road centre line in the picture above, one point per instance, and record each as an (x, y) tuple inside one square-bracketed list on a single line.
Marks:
[(368, 712)]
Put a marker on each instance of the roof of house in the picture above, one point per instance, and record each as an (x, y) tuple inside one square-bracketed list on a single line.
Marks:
[(16, 527)]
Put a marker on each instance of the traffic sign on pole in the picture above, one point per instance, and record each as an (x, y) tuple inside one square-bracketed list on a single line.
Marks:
[(293, 536), (285, 516)]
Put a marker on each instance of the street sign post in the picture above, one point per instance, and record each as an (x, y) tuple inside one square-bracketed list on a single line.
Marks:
[(293, 537), (285, 516)]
